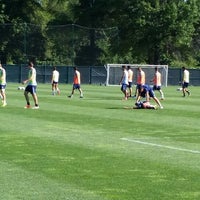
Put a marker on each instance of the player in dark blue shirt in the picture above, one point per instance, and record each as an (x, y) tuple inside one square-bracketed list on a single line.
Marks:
[(147, 92)]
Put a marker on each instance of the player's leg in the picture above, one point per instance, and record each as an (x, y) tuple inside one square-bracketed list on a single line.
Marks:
[(3, 96), (72, 93), (158, 102), (57, 89), (53, 88), (35, 98), (161, 94), (27, 99)]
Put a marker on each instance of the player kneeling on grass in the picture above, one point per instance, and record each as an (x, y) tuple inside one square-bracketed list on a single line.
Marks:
[(144, 105)]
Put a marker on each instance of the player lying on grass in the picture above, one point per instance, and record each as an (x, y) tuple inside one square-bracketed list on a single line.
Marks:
[(144, 105)]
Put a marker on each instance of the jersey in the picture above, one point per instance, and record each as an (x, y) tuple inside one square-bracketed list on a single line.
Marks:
[(130, 75), (157, 79), (141, 78), (125, 77), (2, 76), (186, 76), (77, 77), (32, 73), (55, 76)]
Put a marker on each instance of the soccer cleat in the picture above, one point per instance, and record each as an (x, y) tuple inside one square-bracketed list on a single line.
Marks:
[(161, 107), (4, 105), (81, 96), (35, 107), (27, 107), (70, 96)]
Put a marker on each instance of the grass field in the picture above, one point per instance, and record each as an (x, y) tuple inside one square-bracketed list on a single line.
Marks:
[(95, 149)]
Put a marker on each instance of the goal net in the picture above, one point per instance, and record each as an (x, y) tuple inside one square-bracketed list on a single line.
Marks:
[(114, 73)]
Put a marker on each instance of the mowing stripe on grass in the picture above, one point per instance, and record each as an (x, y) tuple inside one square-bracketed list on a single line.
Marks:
[(160, 145)]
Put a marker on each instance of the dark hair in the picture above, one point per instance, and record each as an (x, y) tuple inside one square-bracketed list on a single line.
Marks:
[(128, 67), (123, 67), (183, 68), (30, 63)]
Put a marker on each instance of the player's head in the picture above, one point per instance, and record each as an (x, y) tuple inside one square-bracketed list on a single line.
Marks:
[(139, 104), (183, 68), (156, 69), (30, 64), (123, 67), (128, 67), (75, 68)]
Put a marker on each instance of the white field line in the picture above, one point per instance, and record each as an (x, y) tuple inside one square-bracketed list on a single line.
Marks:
[(160, 145)]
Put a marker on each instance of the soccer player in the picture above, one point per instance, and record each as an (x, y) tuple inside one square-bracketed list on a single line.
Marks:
[(124, 82), (144, 105), (157, 82), (130, 80), (76, 83), (185, 81), (140, 80), (54, 82), (31, 87), (147, 92), (3, 85)]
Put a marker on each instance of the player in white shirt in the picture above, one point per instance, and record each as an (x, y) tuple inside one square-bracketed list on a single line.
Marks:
[(54, 82), (124, 82), (130, 80), (3, 85), (185, 81)]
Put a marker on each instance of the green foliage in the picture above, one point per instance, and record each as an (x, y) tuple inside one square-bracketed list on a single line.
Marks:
[(154, 32)]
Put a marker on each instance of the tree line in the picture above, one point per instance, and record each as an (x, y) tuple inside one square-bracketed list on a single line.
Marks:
[(95, 32)]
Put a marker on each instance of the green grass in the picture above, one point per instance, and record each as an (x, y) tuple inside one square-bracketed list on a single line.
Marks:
[(73, 149)]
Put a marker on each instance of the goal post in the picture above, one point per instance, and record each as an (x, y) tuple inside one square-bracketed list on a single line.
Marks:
[(114, 73)]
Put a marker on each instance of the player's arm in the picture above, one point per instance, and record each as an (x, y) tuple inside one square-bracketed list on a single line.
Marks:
[(29, 79), (121, 79), (138, 98)]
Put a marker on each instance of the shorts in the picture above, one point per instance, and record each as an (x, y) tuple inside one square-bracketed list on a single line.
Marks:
[(2, 86), (130, 84), (155, 87), (151, 94), (124, 87), (139, 86), (31, 89), (55, 82), (76, 86), (185, 85)]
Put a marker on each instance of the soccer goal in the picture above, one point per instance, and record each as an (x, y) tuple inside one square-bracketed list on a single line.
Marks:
[(114, 73)]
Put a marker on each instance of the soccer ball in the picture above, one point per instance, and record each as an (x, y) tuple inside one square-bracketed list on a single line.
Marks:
[(179, 89), (21, 88)]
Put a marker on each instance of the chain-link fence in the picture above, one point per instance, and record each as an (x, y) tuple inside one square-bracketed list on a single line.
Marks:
[(55, 44), (89, 75)]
